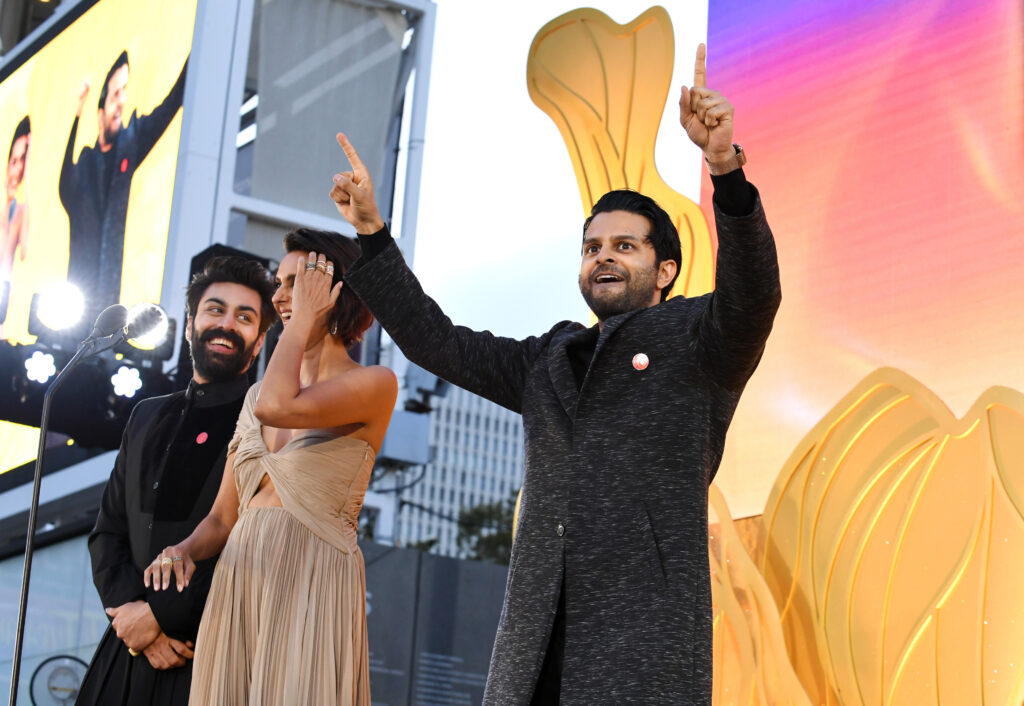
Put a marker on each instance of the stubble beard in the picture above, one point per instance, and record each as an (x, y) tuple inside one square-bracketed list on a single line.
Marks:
[(637, 294)]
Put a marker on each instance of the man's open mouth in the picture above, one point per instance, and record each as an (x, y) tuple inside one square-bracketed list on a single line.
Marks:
[(221, 344)]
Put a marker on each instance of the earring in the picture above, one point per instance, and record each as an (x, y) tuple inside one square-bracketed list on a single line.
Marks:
[(334, 328)]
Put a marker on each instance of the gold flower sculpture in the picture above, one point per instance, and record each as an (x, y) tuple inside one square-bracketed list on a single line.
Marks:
[(895, 549), (605, 85), (751, 666)]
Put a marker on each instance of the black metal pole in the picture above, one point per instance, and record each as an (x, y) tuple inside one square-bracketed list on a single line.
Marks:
[(30, 538)]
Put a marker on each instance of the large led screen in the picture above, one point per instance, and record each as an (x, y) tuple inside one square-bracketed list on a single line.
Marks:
[(91, 119), (887, 142)]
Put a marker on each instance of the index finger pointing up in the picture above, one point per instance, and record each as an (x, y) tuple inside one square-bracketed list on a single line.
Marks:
[(700, 71), (350, 152)]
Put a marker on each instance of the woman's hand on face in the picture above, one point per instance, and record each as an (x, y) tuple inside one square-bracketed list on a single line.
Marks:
[(174, 559), (313, 297)]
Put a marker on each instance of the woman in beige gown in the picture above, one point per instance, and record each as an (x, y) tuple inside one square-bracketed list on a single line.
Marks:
[(285, 621)]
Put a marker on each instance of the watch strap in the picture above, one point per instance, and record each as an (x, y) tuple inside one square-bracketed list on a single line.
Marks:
[(727, 165)]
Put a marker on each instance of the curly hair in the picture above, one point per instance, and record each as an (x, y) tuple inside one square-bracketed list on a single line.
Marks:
[(238, 270)]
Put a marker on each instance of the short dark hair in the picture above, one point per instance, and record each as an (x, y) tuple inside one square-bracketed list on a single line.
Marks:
[(663, 236), (23, 130), (350, 317), (238, 270), (122, 60)]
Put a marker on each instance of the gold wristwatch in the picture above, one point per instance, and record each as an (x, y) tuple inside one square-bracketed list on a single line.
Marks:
[(727, 165)]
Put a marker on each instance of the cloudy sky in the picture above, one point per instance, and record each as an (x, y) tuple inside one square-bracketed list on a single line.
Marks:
[(500, 212)]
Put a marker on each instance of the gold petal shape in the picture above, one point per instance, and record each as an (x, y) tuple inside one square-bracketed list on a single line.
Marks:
[(751, 665), (605, 85), (895, 549)]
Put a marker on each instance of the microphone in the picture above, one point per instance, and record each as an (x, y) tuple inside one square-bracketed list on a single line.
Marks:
[(110, 321), (144, 319)]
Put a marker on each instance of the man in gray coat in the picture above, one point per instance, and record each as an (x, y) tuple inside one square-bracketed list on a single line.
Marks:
[(608, 598)]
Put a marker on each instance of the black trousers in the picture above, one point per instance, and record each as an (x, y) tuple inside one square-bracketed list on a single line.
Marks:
[(549, 684)]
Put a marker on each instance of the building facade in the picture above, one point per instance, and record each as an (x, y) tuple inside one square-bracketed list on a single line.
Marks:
[(477, 449)]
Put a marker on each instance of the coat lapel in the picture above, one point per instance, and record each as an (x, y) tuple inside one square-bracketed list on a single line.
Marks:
[(607, 331), (560, 369)]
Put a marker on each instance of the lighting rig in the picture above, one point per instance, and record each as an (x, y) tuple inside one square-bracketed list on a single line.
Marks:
[(97, 397)]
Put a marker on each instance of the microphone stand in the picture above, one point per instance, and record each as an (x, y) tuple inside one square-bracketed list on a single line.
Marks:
[(90, 347)]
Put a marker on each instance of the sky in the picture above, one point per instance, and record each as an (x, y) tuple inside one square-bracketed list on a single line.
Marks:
[(500, 214)]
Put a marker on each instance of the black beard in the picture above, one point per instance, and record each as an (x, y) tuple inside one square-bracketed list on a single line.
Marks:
[(639, 290), (110, 134), (218, 367)]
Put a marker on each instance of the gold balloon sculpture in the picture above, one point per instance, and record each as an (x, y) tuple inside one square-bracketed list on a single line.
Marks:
[(604, 85), (895, 549)]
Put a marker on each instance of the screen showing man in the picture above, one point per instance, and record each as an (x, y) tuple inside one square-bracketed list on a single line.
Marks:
[(97, 164), (94, 190)]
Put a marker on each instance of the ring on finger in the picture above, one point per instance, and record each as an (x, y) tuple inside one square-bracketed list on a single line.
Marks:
[(321, 266), (176, 558), (310, 266), (330, 269), (166, 561)]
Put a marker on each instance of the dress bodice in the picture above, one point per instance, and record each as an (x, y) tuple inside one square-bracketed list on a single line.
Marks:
[(320, 477)]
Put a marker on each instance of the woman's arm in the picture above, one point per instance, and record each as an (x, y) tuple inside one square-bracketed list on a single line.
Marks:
[(206, 540), (361, 395)]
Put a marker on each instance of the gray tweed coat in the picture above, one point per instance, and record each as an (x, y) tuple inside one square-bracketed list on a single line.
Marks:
[(615, 490)]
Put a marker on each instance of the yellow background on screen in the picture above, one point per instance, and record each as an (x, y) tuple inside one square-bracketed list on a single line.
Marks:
[(158, 37)]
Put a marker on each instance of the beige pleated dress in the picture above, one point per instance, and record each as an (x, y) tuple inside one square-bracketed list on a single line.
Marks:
[(285, 621)]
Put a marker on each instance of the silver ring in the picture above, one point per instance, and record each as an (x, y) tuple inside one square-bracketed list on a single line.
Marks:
[(176, 558), (330, 269), (310, 266)]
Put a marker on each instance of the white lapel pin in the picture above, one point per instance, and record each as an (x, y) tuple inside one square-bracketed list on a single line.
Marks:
[(641, 361)]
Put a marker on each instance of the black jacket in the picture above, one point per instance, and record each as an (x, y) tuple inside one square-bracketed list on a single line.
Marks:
[(164, 483), (614, 498)]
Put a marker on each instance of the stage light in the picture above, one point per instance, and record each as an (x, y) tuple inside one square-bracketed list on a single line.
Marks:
[(150, 325), (60, 306), (40, 367), (126, 381)]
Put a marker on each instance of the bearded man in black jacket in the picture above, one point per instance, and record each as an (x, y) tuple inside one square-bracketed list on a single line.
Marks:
[(164, 482)]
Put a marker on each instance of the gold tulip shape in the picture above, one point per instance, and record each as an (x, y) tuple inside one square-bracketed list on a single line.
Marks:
[(895, 549), (605, 85), (751, 666)]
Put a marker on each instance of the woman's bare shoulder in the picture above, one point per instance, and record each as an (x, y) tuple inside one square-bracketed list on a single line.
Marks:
[(382, 376), (378, 377)]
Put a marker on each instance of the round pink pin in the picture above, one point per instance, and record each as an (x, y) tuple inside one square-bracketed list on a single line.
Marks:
[(641, 361), (203, 436)]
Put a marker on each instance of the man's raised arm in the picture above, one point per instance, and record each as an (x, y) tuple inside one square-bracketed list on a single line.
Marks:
[(68, 186), (491, 366), (152, 126), (747, 290)]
